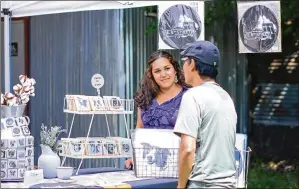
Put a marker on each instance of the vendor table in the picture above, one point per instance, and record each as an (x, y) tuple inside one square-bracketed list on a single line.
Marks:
[(93, 177)]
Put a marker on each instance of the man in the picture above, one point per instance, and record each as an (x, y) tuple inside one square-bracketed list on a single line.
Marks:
[(206, 123)]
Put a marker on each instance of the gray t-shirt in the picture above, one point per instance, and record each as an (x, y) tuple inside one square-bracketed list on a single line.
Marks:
[(208, 114)]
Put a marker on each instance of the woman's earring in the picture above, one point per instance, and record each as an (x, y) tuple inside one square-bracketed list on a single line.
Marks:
[(176, 79)]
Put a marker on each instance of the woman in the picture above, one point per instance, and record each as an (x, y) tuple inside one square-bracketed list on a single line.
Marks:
[(159, 96)]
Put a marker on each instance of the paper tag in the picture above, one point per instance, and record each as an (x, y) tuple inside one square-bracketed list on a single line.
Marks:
[(33, 177), (97, 81)]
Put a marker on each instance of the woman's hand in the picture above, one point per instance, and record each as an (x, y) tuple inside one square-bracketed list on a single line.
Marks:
[(129, 163)]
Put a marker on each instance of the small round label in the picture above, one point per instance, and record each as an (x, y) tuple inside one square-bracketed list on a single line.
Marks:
[(97, 81)]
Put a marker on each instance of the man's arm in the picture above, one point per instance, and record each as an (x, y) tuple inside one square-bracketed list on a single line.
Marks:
[(187, 126), (186, 159)]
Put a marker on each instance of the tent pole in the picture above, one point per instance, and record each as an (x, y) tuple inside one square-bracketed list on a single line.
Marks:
[(7, 65)]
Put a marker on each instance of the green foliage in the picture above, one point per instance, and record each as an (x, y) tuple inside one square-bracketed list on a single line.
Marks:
[(260, 177)]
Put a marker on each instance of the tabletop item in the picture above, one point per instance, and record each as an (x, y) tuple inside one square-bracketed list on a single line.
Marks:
[(64, 173)]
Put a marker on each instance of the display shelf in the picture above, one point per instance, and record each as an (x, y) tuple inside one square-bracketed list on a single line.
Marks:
[(82, 105)]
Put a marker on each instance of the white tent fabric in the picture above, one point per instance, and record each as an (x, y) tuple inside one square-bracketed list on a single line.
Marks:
[(34, 8)]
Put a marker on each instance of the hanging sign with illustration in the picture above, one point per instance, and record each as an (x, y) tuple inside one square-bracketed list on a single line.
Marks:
[(259, 26), (180, 23)]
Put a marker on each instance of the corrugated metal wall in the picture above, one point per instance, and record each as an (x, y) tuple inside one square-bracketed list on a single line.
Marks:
[(233, 69), (67, 49)]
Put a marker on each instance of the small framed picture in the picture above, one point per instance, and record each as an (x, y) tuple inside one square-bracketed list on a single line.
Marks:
[(21, 142), (29, 162), (114, 103), (3, 164), (29, 140), (3, 143), (12, 163), (97, 103), (12, 153), (82, 104), (21, 164), (21, 173), (25, 130), (16, 131), (21, 154), (12, 173), (29, 151), (12, 143), (8, 122), (3, 173), (3, 154)]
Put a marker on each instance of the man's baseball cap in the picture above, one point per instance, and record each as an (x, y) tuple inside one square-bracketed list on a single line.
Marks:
[(203, 51)]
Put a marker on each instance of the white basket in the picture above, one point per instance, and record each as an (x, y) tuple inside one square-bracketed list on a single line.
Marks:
[(12, 111)]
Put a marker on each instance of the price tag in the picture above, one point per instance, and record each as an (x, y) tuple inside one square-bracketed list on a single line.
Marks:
[(97, 81), (33, 177)]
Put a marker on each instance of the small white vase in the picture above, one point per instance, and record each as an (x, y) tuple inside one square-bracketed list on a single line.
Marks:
[(48, 161)]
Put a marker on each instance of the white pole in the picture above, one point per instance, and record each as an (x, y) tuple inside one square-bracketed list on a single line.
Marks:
[(6, 53)]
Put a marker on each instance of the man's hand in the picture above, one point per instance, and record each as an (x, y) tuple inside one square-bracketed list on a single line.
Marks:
[(186, 159), (128, 163)]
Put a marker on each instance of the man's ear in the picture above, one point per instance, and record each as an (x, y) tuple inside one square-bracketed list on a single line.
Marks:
[(192, 65)]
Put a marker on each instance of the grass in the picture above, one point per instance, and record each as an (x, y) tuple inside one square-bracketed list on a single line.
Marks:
[(260, 176)]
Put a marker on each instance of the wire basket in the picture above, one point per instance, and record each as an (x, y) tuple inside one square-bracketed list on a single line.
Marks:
[(155, 162), (12, 111)]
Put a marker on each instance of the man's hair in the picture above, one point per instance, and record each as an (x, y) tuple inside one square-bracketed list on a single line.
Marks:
[(205, 70)]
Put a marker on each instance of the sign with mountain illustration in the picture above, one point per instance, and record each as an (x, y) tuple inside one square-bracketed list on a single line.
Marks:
[(259, 26), (180, 23)]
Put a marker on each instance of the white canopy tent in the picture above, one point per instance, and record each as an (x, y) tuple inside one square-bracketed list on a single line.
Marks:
[(33, 8)]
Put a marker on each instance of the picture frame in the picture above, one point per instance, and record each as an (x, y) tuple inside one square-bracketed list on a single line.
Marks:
[(97, 103), (82, 104)]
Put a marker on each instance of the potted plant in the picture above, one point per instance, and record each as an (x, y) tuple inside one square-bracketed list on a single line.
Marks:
[(49, 159)]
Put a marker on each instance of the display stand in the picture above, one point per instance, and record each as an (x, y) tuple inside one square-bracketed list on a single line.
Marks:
[(109, 105)]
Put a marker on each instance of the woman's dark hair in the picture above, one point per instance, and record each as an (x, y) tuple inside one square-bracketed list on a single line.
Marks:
[(148, 88)]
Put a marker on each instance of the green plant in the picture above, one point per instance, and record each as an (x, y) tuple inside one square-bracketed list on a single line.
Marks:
[(50, 136), (261, 176)]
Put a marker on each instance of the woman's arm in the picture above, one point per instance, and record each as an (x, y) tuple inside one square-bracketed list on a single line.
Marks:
[(139, 123)]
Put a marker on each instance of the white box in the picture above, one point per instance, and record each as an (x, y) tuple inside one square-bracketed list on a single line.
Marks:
[(21, 173), (3, 164), (29, 140), (12, 173), (29, 162), (3, 143), (3, 174), (12, 143), (12, 163), (3, 154), (21, 142), (29, 151), (11, 153), (21, 153), (21, 164)]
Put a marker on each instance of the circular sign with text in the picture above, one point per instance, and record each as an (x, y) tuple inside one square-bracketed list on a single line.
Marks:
[(179, 25), (258, 28), (97, 81)]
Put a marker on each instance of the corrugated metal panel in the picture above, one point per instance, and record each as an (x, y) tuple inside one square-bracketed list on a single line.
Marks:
[(233, 74), (66, 50)]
